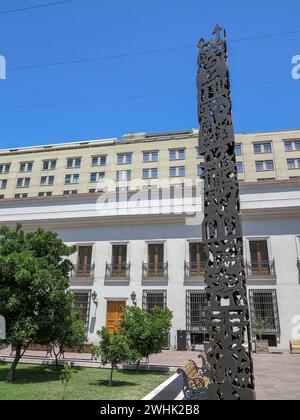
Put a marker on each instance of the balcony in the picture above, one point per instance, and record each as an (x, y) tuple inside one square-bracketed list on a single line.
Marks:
[(262, 272), (82, 275), (194, 272), (155, 273), (117, 273)]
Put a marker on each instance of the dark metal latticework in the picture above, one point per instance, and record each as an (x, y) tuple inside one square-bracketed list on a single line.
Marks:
[(228, 313)]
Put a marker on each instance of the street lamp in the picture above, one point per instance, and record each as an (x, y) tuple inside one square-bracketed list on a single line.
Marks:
[(133, 298), (95, 297)]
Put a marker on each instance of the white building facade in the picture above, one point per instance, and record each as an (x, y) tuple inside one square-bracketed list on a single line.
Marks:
[(156, 259)]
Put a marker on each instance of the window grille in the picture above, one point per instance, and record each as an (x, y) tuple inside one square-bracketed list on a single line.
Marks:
[(264, 304), (82, 303), (196, 311), (153, 299)]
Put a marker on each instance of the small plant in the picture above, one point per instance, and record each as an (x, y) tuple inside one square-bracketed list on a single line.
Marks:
[(65, 378), (259, 325), (113, 349)]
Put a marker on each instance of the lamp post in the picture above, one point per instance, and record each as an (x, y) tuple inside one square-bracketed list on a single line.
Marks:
[(133, 298)]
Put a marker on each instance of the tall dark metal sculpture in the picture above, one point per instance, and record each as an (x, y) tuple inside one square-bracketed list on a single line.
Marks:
[(231, 363)]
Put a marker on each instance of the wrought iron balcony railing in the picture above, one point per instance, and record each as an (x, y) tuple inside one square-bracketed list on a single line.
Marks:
[(155, 270), (194, 269), (83, 271), (117, 271), (262, 268)]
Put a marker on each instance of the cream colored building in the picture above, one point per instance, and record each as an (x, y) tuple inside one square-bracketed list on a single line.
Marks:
[(82, 167)]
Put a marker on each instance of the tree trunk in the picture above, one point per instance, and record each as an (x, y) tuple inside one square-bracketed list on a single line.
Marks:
[(11, 376), (111, 376), (138, 366)]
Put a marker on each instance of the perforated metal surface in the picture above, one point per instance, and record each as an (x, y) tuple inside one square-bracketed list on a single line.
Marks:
[(228, 313)]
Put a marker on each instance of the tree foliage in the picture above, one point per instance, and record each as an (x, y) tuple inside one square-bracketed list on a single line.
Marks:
[(34, 282), (114, 350), (146, 332)]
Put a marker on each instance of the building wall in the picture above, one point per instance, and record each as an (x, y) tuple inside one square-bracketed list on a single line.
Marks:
[(137, 144)]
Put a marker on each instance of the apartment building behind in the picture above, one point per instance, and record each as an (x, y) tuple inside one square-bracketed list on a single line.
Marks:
[(84, 167)]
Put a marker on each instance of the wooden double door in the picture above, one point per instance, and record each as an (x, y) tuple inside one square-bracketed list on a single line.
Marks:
[(114, 315), (259, 257)]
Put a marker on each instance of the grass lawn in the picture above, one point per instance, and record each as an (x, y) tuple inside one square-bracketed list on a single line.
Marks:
[(36, 382)]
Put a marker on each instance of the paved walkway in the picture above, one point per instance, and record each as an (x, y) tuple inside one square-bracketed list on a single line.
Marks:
[(276, 375)]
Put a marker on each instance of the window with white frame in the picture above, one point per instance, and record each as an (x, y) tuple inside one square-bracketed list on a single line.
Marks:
[(45, 194), (72, 179), (178, 154), (293, 163), (264, 165), (238, 149), (23, 183), (97, 177), (4, 168), (3, 184), (24, 195), (150, 173), (49, 165), (73, 163), (292, 145), (177, 171), (26, 166), (99, 160), (262, 147), (240, 167), (200, 169), (150, 156), (47, 180), (70, 192), (124, 176), (125, 158)]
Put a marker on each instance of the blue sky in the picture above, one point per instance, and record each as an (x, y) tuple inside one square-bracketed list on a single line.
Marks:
[(90, 28)]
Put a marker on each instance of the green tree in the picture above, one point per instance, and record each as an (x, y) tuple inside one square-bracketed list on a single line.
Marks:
[(113, 349), (69, 331), (259, 326), (146, 332), (34, 282)]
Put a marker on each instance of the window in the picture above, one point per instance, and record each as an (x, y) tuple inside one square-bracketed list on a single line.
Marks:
[(4, 168), (119, 260), (260, 263), (26, 166), (292, 145), (196, 311), (150, 157), (264, 304), (49, 165), (262, 148), (196, 265), (200, 169), (94, 190), (177, 154), (73, 163), (45, 194), (72, 179), (240, 167), (125, 159), (178, 171), (3, 184), (1, 196), (238, 149), (155, 266), (25, 195), (84, 261), (154, 299), (99, 160), (82, 304), (293, 163), (150, 173), (70, 192), (47, 180), (23, 183), (97, 177), (267, 165), (124, 176)]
